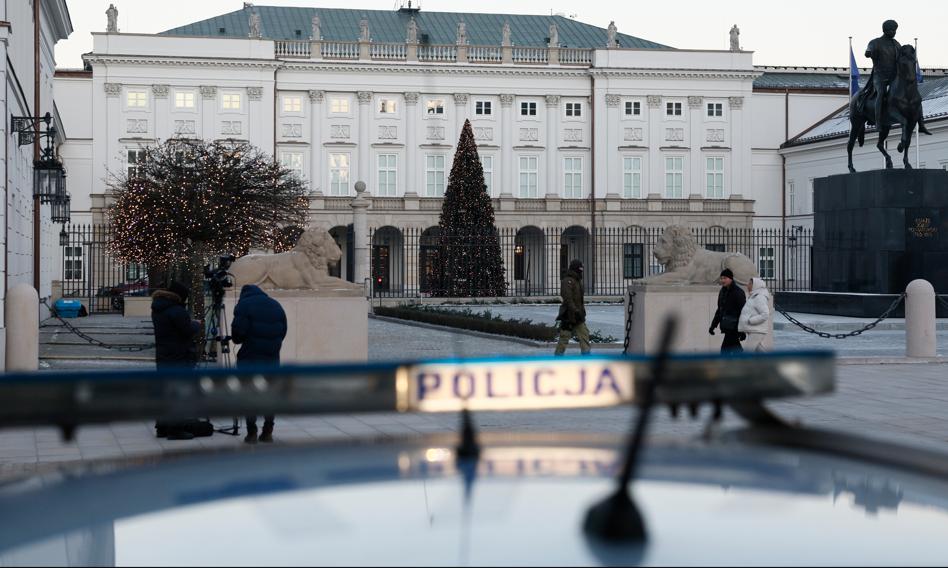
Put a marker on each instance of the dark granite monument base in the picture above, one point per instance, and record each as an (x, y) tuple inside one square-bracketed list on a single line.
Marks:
[(847, 305), (877, 231)]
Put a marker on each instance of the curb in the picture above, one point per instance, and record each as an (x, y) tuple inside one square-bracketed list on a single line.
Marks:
[(481, 334), (94, 358)]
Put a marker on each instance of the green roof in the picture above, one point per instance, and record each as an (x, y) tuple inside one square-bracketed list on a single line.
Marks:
[(288, 23)]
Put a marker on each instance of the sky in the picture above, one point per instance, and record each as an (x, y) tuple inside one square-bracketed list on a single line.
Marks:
[(789, 33)]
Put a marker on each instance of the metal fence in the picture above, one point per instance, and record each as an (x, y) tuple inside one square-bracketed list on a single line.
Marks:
[(404, 262), (90, 274)]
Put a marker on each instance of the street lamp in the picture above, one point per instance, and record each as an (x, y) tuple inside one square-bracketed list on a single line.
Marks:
[(63, 237), (60, 210)]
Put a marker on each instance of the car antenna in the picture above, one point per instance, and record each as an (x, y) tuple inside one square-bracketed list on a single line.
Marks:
[(617, 518)]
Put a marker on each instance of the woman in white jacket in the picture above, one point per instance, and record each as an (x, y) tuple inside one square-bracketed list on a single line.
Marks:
[(755, 316)]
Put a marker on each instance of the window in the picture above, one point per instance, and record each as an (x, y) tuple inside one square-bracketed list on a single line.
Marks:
[(434, 175), (387, 174), (230, 101), (633, 108), (528, 108), (293, 161), (338, 174), (715, 178), (388, 106), (487, 162), (573, 177), (715, 247), (135, 271), (528, 176), (339, 105), (715, 110), (483, 108), (791, 198), (672, 109), (136, 99), (633, 261), (434, 107), (293, 104), (674, 174), (766, 263), (632, 177), (812, 201), (183, 99), (72, 263), (574, 109), (133, 160)]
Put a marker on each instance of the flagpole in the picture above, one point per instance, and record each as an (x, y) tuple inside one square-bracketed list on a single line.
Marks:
[(918, 134)]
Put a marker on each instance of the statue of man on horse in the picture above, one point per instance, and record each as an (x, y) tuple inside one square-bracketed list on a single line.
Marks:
[(890, 97)]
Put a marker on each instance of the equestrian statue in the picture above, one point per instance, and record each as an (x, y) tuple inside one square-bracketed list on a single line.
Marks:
[(889, 98)]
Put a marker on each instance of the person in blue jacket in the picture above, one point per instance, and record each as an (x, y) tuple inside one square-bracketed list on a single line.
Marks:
[(259, 327)]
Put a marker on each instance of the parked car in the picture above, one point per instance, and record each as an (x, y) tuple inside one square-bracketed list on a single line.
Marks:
[(117, 293), (773, 493)]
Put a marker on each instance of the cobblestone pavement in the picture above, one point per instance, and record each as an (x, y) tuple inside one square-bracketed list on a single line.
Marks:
[(903, 403)]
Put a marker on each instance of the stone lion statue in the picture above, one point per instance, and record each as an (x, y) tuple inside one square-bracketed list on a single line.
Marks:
[(304, 267), (686, 263)]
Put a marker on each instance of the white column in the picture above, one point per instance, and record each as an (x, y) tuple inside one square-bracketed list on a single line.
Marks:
[(317, 114), (460, 115), (508, 169), (552, 155), (694, 141), (411, 143), (209, 113), (611, 183), (365, 143), (740, 179), (601, 128), (920, 336), (161, 113), (360, 230), (656, 169)]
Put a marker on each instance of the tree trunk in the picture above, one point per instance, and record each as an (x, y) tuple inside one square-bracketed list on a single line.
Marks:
[(196, 264)]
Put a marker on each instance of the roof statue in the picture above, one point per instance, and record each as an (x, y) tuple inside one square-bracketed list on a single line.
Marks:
[(889, 98), (255, 26), (462, 33), (554, 36), (735, 38), (505, 41), (412, 31), (364, 30), (315, 34), (611, 35), (112, 15)]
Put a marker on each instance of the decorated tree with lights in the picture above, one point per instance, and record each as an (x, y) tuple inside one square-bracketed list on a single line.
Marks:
[(190, 201), (470, 262)]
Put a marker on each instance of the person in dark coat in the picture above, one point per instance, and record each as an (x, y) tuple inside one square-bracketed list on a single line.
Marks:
[(175, 343), (731, 300), (572, 316), (259, 327)]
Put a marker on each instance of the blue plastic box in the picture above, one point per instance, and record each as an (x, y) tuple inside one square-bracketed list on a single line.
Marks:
[(67, 308)]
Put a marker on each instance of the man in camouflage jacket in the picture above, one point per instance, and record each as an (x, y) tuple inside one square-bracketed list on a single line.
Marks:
[(572, 316)]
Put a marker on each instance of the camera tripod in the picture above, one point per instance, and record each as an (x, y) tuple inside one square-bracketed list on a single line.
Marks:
[(216, 340)]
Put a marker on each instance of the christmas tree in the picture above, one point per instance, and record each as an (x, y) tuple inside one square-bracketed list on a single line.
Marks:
[(470, 263), (189, 201)]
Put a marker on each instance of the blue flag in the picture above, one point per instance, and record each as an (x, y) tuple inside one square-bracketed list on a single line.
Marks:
[(853, 74)]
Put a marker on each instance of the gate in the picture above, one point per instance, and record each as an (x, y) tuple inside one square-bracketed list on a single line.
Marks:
[(93, 276)]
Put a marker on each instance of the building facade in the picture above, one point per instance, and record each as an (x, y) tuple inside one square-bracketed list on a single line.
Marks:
[(27, 71), (579, 128)]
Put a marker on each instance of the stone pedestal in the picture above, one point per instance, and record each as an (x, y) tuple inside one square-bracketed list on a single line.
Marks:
[(324, 326), (877, 231), (693, 305), (22, 339)]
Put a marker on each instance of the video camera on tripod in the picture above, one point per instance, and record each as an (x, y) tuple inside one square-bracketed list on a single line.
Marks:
[(218, 279)]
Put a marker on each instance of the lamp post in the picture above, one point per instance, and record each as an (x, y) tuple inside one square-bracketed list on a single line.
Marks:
[(49, 177)]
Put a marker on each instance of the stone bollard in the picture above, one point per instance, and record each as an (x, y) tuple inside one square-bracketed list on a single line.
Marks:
[(920, 320), (22, 306)]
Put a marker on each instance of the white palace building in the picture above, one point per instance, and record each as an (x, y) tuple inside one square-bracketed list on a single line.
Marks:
[(580, 128)]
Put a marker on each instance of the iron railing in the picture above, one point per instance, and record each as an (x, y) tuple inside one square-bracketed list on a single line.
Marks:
[(91, 274)]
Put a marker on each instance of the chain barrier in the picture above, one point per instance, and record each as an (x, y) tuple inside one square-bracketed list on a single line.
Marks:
[(628, 324), (855, 333), (92, 340)]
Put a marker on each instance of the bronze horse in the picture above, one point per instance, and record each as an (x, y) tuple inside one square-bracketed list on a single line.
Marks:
[(904, 107)]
